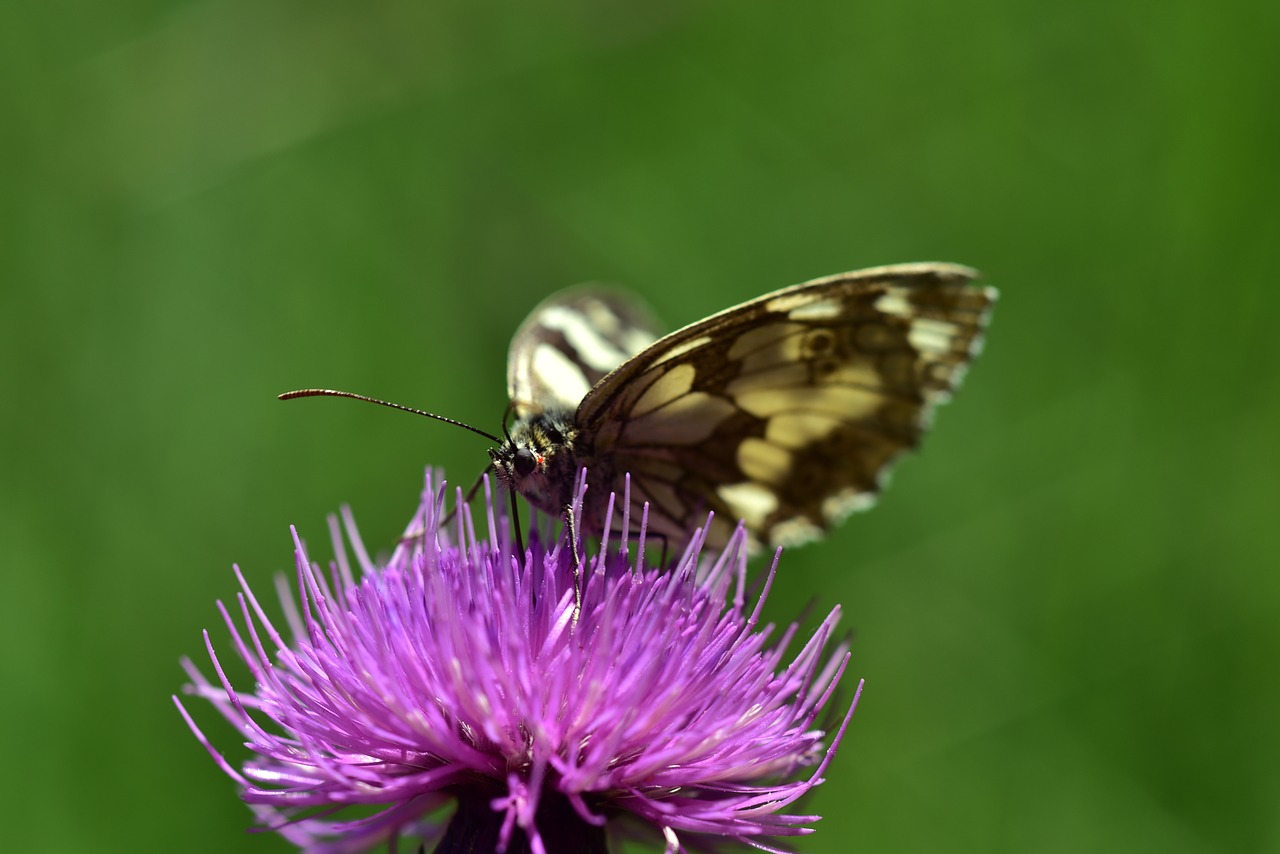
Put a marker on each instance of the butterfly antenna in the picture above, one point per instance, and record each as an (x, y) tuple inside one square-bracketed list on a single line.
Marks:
[(506, 416), (515, 517), (328, 392), (515, 509)]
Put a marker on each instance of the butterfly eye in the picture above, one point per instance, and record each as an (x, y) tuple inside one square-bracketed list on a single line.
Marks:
[(525, 462)]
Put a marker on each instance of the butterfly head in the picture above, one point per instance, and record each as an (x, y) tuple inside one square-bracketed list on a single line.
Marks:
[(537, 459)]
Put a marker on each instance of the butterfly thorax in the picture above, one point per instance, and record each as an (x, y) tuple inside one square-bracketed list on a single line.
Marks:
[(539, 460)]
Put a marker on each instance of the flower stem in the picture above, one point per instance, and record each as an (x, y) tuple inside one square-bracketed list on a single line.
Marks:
[(476, 826)]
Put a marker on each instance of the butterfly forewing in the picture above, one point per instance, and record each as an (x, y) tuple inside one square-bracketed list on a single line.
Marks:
[(786, 411)]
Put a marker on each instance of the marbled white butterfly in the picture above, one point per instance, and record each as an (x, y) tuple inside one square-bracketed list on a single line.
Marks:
[(786, 411)]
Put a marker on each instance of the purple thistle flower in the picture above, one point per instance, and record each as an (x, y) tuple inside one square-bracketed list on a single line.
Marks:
[(455, 673)]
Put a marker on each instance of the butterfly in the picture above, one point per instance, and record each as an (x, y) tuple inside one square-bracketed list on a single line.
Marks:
[(785, 412)]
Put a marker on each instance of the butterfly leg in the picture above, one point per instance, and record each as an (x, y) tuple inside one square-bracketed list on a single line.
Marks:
[(471, 493), (448, 517), (515, 519), (571, 528), (666, 541)]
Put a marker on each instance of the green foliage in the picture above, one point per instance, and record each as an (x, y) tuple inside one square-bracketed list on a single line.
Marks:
[(1065, 607)]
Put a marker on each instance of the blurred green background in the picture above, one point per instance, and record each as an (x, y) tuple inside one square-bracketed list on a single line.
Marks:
[(1067, 608)]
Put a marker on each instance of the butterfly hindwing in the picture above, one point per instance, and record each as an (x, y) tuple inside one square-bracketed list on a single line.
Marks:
[(570, 342), (788, 410)]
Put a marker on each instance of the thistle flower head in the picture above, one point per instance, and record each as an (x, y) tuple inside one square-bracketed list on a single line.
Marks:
[(458, 672)]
